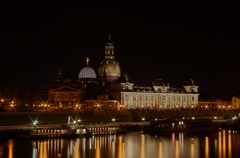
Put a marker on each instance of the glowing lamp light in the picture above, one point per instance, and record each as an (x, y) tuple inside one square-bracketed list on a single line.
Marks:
[(180, 122), (234, 118), (143, 119), (35, 122), (113, 119)]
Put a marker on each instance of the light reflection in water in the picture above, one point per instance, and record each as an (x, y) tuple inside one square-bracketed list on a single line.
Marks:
[(123, 152), (10, 148), (160, 150), (130, 145), (229, 144), (142, 146), (224, 144), (220, 144), (76, 149), (83, 147), (34, 151), (206, 147), (98, 154), (192, 151), (173, 144), (177, 149), (181, 141), (120, 147)]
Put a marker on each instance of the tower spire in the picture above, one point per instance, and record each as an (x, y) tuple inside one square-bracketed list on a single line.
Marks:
[(109, 49)]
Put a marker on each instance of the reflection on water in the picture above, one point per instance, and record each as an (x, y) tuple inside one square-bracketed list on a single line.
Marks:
[(10, 148), (223, 144), (206, 147)]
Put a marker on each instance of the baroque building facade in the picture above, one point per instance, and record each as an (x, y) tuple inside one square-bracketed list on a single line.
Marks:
[(109, 90), (159, 96)]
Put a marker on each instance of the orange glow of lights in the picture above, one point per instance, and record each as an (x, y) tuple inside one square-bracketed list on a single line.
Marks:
[(229, 144), (120, 148), (98, 154), (160, 150), (142, 146), (10, 148), (206, 147), (192, 151), (177, 149), (224, 143), (219, 144)]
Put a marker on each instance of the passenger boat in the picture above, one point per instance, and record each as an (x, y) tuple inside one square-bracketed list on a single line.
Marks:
[(57, 132), (167, 126)]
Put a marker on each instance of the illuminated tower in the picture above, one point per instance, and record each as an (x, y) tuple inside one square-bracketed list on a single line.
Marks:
[(109, 69)]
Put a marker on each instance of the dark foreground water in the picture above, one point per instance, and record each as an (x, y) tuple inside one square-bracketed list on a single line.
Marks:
[(223, 144)]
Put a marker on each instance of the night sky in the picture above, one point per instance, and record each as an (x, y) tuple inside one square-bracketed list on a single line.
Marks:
[(173, 44)]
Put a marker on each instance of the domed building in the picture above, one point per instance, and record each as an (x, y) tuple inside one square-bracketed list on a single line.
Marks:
[(109, 69), (109, 90), (87, 73)]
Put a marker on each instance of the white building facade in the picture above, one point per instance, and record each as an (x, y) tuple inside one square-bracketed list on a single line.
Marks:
[(159, 97)]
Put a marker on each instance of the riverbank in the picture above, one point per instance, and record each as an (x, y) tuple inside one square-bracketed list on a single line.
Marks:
[(88, 117)]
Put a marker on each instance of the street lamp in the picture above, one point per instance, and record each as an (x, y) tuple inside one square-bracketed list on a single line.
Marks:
[(35, 123)]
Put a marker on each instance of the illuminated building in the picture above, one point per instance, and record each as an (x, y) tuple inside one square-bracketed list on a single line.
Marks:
[(109, 90), (64, 92), (109, 69), (236, 102), (160, 95)]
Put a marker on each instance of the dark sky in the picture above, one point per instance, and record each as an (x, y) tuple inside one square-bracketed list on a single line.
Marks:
[(174, 44)]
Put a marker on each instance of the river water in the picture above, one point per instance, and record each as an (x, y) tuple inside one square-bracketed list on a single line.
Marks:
[(223, 144)]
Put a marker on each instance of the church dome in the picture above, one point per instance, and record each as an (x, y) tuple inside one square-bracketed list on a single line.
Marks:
[(87, 73), (109, 69)]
